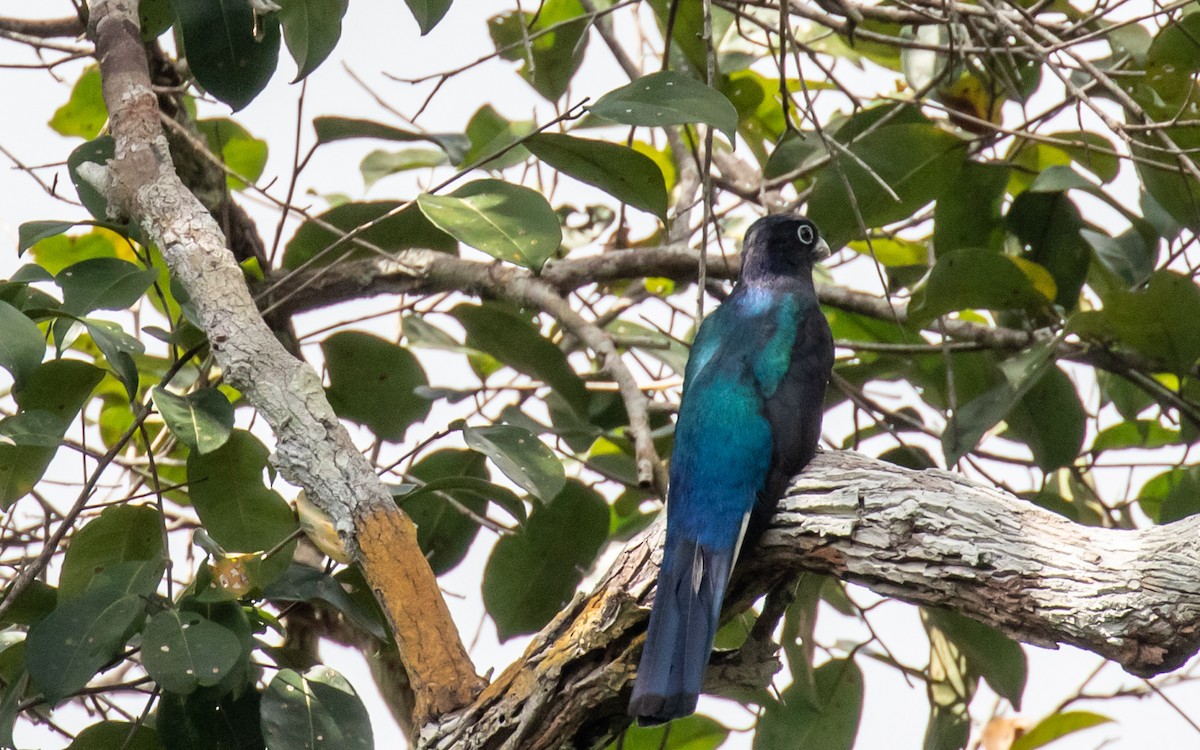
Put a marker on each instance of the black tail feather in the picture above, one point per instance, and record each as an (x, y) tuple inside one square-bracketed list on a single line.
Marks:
[(683, 624)]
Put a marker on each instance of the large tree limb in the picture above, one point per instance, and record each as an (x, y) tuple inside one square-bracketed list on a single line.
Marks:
[(313, 450), (928, 537), (427, 272)]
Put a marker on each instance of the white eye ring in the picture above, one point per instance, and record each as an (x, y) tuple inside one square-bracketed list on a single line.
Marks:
[(806, 234)]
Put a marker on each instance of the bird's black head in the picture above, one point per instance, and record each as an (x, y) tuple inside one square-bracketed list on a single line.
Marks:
[(781, 246)]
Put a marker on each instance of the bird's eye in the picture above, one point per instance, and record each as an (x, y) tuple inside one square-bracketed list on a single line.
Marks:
[(806, 234)]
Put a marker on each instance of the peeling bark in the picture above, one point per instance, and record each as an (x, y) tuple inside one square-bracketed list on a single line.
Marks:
[(927, 537)]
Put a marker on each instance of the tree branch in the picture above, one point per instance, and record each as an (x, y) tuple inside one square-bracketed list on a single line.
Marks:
[(427, 271), (313, 450), (44, 28), (928, 537)]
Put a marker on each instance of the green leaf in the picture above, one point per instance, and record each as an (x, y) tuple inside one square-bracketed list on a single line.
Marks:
[(968, 213), (1158, 321), (300, 583), (671, 352), (445, 532), (103, 284), (154, 18), (621, 172), (978, 415), (81, 168), (531, 574), (32, 232), (689, 52), (36, 428), (237, 509), (22, 346), (890, 174), (490, 133), (1092, 151), (183, 651), (106, 735), (695, 732), (1050, 419), (1126, 256), (85, 113), (379, 164), (1172, 495), (244, 154), (549, 46), (512, 339), (407, 229), (202, 722), (60, 388), (66, 648), (833, 725), (1058, 725), (311, 29), (668, 98), (506, 221), (34, 603), (1147, 434), (790, 153), (53, 254), (373, 382), (119, 348), (465, 489), (1173, 189), (316, 709), (232, 65), (1048, 225), (428, 12), (973, 279), (330, 129), (521, 456), (989, 653), (893, 252), (121, 534), (201, 420)]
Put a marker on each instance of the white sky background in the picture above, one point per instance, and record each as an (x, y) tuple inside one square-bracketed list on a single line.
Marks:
[(378, 36)]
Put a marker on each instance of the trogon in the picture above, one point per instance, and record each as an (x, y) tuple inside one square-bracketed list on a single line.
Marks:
[(749, 420)]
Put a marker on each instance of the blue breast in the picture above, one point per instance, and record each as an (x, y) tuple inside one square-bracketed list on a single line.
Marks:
[(722, 438)]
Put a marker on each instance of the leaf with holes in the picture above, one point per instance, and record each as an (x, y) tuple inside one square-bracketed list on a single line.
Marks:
[(183, 651), (103, 284), (668, 98), (66, 648), (316, 709), (521, 456)]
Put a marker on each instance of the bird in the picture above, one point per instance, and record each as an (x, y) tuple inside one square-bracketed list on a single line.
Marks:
[(749, 420)]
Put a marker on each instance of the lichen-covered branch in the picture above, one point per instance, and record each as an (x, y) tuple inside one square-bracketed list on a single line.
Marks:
[(928, 537), (313, 450)]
